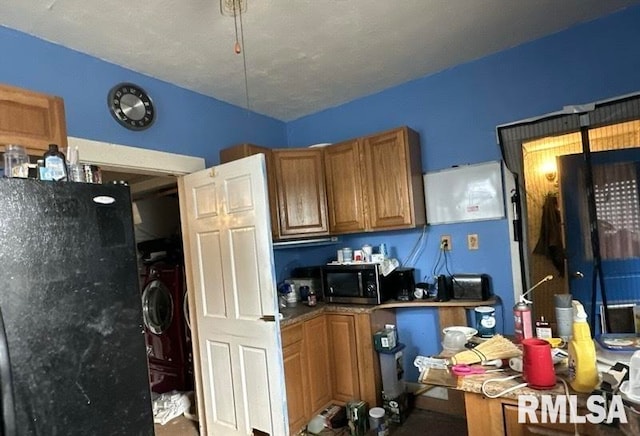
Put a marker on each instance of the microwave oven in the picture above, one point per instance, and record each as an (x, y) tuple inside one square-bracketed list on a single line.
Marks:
[(354, 283)]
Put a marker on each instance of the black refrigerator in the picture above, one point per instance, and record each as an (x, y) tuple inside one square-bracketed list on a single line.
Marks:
[(72, 348)]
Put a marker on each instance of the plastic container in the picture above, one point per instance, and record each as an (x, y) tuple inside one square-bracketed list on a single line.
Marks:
[(367, 251), (583, 370), (485, 321), (312, 298), (15, 161), (564, 315), (537, 363), (377, 421), (392, 371), (543, 329), (454, 341)]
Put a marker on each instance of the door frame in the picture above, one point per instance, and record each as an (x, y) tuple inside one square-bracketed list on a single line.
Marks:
[(132, 159), (136, 160)]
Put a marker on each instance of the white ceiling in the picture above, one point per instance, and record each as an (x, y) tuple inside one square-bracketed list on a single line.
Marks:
[(302, 56)]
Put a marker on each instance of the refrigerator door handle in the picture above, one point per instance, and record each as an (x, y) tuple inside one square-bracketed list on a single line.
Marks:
[(6, 384)]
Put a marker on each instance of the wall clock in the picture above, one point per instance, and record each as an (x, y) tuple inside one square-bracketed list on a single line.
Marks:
[(131, 106)]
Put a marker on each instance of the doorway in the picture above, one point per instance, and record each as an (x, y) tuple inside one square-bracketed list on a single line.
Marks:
[(542, 183), (152, 179)]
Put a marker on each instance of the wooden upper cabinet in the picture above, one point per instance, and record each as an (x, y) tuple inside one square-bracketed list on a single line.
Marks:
[(393, 174), (345, 187), (375, 182), (302, 199), (31, 119), (243, 150), (371, 183)]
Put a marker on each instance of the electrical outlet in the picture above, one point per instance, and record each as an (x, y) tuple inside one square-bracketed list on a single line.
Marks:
[(445, 242), (472, 241)]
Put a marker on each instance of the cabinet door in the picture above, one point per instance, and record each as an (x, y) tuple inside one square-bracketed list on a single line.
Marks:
[(31, 119), (243, 150), (295, 373), (514, 428), (302, 198), (344, 358), (394, 179), (316, 345), (345, 187)]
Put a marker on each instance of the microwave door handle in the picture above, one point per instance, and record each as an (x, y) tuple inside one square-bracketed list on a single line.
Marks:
[(360, 284)]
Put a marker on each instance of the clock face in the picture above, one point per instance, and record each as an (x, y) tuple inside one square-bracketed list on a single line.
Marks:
[(131, 106)]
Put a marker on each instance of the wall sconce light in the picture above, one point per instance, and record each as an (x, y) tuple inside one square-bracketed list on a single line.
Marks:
[(551, 176), (549, 171)]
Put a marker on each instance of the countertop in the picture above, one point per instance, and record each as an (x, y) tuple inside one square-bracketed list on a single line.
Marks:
[(302, 312)]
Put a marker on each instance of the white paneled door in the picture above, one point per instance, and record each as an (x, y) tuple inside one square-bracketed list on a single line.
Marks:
[(229, 257)]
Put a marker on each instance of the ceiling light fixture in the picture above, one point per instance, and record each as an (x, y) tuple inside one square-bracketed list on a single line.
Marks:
[(235, 9)]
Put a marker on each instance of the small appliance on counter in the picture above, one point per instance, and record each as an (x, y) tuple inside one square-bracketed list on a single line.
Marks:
[(443, 288), (354, 283), (402, 282), (471, 287)]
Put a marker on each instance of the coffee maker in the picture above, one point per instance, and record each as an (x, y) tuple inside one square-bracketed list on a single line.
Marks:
[(402, 282)]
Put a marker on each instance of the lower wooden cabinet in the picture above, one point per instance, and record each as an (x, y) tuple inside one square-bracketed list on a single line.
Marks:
[(296, 383), (354, 362), (316, 345), (499, 417), (344, 359), (329, 359), (513, 428), (305, 354)]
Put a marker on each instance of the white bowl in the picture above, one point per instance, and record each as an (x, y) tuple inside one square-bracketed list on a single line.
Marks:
[(468, 331)]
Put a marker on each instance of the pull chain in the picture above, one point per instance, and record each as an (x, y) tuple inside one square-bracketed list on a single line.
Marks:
[(237, 47)]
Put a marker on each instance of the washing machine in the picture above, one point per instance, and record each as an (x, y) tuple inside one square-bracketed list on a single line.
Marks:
[(165, 326)]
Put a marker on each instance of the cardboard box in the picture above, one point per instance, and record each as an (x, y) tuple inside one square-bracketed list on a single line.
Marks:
[(397, 408), (385, 339), (357, 414), (335, 416)]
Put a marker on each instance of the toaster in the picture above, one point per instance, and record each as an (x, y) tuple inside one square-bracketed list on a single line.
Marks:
[(471, 287)]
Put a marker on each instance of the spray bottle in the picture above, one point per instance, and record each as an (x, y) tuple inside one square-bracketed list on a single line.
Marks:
[(583, 372), (523, 328)]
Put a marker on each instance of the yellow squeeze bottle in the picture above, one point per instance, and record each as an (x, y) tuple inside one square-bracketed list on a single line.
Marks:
[(583, 371)]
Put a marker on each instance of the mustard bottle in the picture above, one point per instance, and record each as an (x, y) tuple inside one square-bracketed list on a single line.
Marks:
[(583, 371)]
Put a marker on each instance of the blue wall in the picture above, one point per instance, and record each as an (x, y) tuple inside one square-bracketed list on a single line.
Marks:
[(455, 111), (187, 122)]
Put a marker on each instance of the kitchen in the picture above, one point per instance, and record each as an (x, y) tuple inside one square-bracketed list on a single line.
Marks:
[(455, 114)]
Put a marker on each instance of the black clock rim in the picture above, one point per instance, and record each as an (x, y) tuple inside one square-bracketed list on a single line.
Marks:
[(113, 108)]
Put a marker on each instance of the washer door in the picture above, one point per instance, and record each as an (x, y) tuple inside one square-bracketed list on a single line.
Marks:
[(157, 307)]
